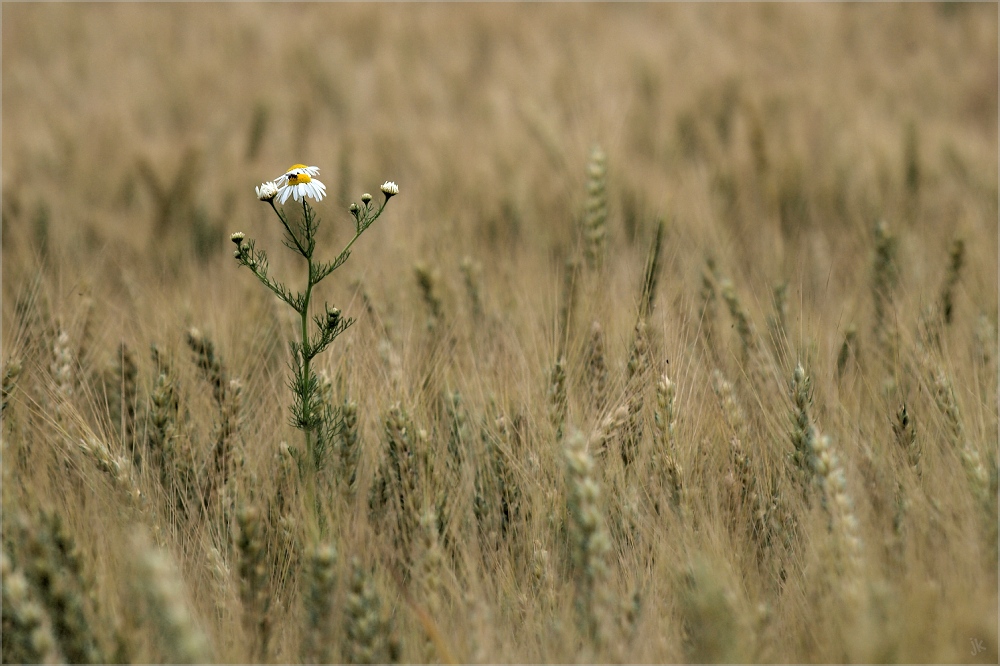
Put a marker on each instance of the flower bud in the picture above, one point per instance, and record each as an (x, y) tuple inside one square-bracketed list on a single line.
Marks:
[(267, 191)]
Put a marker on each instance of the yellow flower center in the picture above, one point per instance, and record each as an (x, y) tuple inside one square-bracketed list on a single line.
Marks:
[(296, 178)]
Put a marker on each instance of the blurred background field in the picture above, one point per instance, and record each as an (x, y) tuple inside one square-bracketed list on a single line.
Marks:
[(769, 140)]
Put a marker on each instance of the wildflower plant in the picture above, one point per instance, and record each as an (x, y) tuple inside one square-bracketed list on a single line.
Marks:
[(300, 183)]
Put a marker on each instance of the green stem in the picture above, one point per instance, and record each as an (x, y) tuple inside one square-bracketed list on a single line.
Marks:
[(284, 222), (310, 481), (348, 246), (304, 315), (365, 227), (306, 356)]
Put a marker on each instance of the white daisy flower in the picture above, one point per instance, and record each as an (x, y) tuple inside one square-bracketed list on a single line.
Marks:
[(299, 182), (389, 189)]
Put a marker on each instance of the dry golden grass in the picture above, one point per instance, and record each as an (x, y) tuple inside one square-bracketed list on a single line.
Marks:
[(152, 509)]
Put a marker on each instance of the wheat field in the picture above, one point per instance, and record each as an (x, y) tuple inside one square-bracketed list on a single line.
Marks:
[(678, 343)]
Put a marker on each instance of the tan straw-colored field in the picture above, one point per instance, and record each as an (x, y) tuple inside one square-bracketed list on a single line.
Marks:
[(674, 332)]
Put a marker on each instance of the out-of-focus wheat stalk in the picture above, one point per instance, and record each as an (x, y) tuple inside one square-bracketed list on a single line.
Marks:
[(254, 582), (27, 630), (590, 545), (595, 216), (160, 586), (370, 638), (885, 276), (318, 604), (975, 470)]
